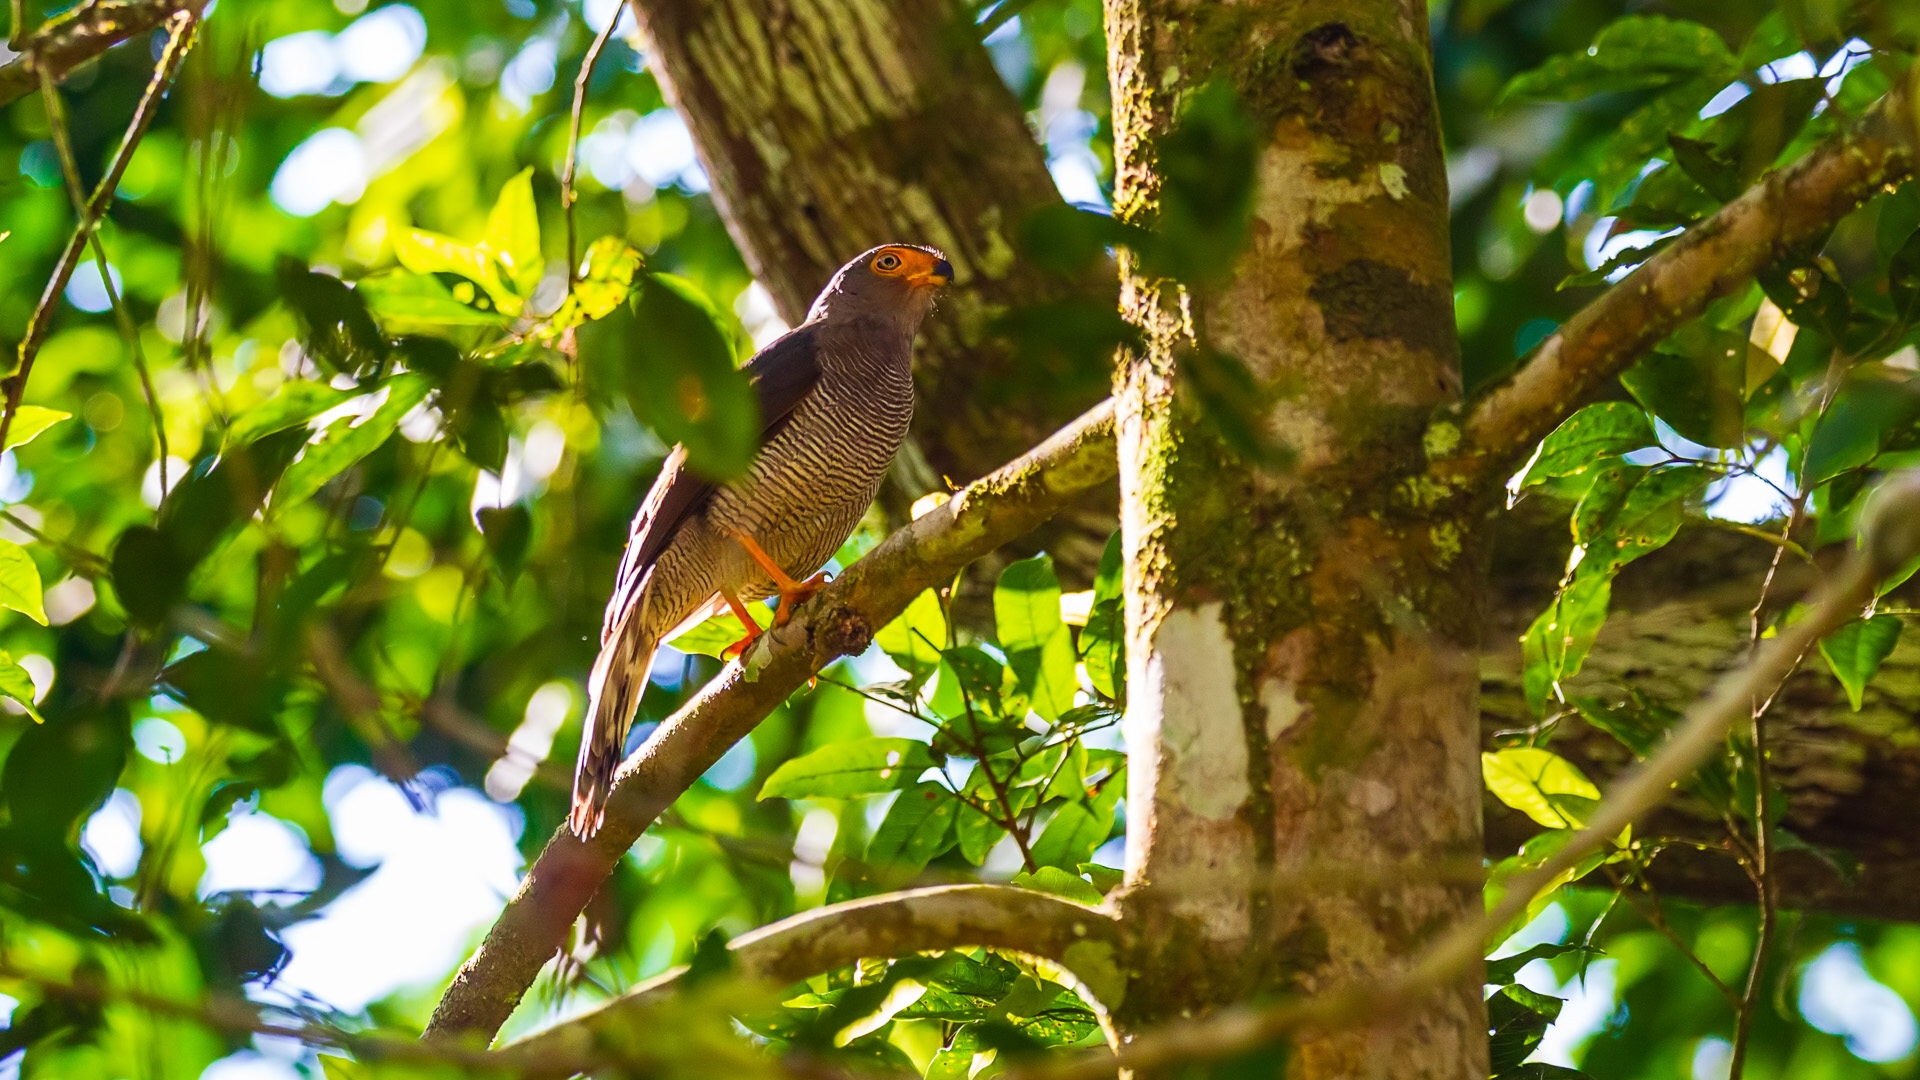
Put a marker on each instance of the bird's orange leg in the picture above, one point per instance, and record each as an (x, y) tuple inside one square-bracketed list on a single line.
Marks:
[(792, 593), (747, 623)]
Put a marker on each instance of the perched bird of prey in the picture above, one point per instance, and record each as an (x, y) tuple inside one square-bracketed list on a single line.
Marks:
[(836, 395)]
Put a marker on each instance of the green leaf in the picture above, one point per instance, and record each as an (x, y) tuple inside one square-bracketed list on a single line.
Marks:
[(1696, 382), (1026, 605), (426, 252), (509, 532), (295, 403), (1519, 1019), (677, 364), (20, 582), (343, 445), (1052, 879), (1103, 639), (408, 302), (1501, 972), (1856, 650), (1638, 52), (1591, 437), (855, 767), (335, 1067), (711, 638), (1649, 516), (1556, 645), (1071, 837), (1535, 782), (916, 638), (1850, 435), (18, 685), (918, 826), (606, 276), (513, 233), (335, 328), (31, 420), (977, 832)]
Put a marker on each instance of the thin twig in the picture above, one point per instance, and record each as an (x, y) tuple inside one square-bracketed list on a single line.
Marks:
[(63, 144), (1656, 917), (180, 38), (568, 196)]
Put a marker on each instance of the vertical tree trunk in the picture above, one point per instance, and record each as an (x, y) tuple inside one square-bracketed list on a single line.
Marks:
[(829, 126), (1300, 639)]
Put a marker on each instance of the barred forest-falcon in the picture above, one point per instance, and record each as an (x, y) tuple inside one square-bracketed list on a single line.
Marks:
[(836, 396)]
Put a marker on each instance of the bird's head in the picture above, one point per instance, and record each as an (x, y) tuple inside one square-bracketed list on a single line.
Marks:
[(893, 283)]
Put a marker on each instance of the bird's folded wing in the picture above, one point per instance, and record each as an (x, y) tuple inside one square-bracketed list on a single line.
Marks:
[(782, 375)]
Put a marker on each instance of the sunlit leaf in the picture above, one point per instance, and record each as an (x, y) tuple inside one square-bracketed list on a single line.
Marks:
[(407, 301), (346, 443), (15, 683), (918, 826), (1052, 879), (1103, 639), (855, 767), (606, 276), (513, 232), (1594, 436), (31, 420), (712, 636), (1535, 782), (20, 582), (1071, 837), (1556, 645), (1856, 650), (294, 403), (914, 639)]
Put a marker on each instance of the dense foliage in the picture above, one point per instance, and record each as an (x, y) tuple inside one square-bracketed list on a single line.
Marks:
[(325, 464)]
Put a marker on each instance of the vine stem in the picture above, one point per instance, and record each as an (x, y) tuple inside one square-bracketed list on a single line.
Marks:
[(179, 39), (70, 166), (568, 196)]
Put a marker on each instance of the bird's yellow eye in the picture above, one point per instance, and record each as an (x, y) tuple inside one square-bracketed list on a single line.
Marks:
[(887, 262)]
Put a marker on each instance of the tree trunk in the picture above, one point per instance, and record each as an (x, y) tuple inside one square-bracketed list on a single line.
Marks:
[(828, 128), (1300, 639)]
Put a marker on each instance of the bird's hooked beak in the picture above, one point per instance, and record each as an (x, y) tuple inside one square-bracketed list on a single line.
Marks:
[(936, 273)]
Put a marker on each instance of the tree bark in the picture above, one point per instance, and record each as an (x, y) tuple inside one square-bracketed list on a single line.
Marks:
[(828, 128), (1300, 641)]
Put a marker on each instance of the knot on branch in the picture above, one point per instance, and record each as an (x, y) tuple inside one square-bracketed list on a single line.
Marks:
[(841, 632), (1324, 50)]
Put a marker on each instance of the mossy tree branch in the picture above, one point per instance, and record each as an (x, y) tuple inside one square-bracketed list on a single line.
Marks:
[(79, 36), (840, 621), (1784, 211)]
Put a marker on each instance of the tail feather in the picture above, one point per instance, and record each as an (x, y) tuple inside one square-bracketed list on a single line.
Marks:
[(619, 678)]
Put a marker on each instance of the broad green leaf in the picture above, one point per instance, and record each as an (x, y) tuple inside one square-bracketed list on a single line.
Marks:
[(407, 302), (1613, 480), (31, 420), (1071, 837), (426, 252), (294, 403), (674, 359), (1557, 643), (1502, 971), (1850, 435), (1856, 650), (1643, 134), (20, 582), (1638, 52), (1534, 781), (915, 639), (335, 1067), (918, 826), (1026, 605), (1052, 879), (343, 445), (513, 232), (1595, 435), (1648, 517), (712, 636), (18, 685), (855, 767), (1696, 382)]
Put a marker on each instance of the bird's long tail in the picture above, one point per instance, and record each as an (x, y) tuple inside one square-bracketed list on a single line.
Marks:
[(613, 696)]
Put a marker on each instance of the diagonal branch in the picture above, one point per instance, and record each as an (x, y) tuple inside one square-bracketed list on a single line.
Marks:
[(1785, 210), (840, 621), (895, 924), (91, 29)]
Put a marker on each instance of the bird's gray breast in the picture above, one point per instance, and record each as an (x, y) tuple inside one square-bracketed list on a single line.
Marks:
[(812, 482)]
